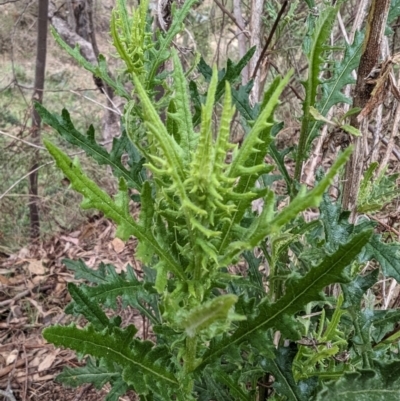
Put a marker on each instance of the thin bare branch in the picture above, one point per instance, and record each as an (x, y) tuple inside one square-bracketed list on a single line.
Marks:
[(9, 1), (232, 17), (269, 39), (116, 110), (22, 140)]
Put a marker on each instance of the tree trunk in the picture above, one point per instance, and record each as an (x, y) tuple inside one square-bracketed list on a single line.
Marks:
[(255, 40), (237, 12), (36, 121), (375, 31), (84, 36)]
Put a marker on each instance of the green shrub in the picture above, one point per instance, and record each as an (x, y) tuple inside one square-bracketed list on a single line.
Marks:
[(226, 324)]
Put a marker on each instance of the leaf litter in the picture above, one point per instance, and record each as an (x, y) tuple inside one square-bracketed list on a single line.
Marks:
[(33, 294)]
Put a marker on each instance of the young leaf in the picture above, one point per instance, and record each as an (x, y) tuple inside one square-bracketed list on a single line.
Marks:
[(320, 34), (182, 115), (302, 202), (96, 198), (206, 314), (332, 88), (248, 164), (161, 53), (99, 70)]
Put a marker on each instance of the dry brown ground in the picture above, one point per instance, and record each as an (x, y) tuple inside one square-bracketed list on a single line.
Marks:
[(33, 295)]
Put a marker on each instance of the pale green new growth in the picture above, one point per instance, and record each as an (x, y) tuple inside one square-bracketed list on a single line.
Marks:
[(205, 315), (118, 211)]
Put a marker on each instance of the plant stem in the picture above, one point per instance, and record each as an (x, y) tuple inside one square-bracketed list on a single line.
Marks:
[(300, 156), (190, 355)]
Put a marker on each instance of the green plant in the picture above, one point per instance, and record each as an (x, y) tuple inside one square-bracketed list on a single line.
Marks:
[(218, 334)]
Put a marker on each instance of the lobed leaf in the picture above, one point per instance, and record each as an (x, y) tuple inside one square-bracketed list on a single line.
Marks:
[(99, 70), (299, 292), (64, 126), (139, 360), (332, 87)]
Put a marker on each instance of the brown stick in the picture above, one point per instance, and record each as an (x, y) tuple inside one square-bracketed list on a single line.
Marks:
[(269, 39), (40, 68)]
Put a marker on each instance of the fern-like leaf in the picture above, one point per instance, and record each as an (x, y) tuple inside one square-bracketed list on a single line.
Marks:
[(99, 70), (320, 34), (161, 52)]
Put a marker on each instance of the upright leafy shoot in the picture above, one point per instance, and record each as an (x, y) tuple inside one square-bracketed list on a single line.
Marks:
[(237, 301)]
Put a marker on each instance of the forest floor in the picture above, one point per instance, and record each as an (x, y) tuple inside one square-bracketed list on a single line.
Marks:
[(33, 294)]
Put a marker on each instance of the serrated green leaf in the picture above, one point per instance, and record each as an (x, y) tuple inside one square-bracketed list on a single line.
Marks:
[(138, 359), (64, 126), (98, 199), (301, 202), (354, 291), (336, 225), (250, 155), (161, 53), (187, 137), (332, 88), (233, 71), (99, 70), (314, 50), (223, 386), (231, 75), (284, 383), (241, 100), (375, 192), (383, 322), (132, 292), (387, 255), (362, 385), (389, 371), (96, 373), (82, 271), (299, 292), (118, 389), (196, 102), (208, 313), (215, 390), (351, 130), (88, 307)]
